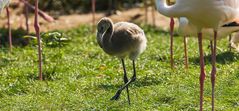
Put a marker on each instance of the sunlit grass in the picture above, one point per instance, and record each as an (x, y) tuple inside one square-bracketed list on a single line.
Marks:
[(80, 76)]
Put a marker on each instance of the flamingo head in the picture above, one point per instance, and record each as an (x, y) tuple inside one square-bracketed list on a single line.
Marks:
[(102, 27)]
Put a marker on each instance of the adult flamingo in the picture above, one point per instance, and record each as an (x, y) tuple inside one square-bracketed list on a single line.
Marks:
[(172, 23), (215, 14)]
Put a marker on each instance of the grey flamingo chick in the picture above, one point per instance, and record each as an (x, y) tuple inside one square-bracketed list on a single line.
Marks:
[(121, 39)]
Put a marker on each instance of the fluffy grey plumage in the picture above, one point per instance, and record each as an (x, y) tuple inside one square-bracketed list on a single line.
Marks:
[(121, 39)]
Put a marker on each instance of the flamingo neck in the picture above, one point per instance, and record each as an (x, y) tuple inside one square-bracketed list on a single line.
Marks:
[(169, 11), (106, 39)]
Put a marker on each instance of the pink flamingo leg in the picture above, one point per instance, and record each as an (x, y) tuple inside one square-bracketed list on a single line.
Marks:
[(26, 17), (171, 42), (213, 73), (211, 46), (202, 73), (185, 52), (37, 29), (153, 14), (9, 29), (40, 12), (146, 11), (229, 45), (93, 15)]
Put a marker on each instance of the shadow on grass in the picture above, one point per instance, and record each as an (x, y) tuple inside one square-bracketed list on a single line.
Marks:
[(166, 99), (48, 75), (108, 86), (5, 61), (149, 81), (222, 58), (158, 57), (140, 82), (17, 37)]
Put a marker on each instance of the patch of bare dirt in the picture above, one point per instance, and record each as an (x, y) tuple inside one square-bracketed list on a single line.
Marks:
[(70, 21)]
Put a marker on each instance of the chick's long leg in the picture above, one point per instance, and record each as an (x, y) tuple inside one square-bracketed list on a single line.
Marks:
[(133, 78)]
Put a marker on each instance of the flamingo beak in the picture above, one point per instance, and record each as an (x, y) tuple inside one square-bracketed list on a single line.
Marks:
[(105, 32)]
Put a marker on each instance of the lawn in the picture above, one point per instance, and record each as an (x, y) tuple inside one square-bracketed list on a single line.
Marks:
[(80, 76)]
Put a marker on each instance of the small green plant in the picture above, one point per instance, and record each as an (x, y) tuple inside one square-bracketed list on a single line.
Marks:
[(55, 39), (50, 39)]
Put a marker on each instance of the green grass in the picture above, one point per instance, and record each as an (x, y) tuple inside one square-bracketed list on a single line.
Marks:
[(80, 76)]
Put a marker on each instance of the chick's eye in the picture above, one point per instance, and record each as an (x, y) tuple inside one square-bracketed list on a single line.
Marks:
[(101, 28)]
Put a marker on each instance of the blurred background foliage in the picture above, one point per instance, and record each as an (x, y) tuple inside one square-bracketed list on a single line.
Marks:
[(59, 7)]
